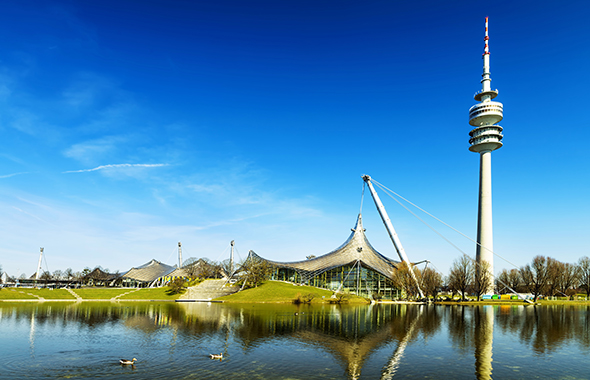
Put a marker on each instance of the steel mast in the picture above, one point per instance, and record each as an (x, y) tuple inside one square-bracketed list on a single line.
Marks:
[(392, 234), (179, 255), (39, 265), (231, 259)]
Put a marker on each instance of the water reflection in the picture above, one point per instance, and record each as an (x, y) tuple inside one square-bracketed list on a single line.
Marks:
[(471, 329), (484, 339), (387, 341), (350, 334), (547, 328)]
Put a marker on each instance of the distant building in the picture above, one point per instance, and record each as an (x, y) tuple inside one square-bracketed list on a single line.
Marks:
[(98, 277), (147, 275), (176, 273)]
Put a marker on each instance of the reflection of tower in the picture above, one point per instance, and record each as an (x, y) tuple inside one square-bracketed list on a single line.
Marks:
[(484, 339), (32, 334), (485, 137)]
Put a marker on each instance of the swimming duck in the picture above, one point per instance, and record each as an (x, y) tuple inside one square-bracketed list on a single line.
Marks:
[(127, 362), (215, 356)]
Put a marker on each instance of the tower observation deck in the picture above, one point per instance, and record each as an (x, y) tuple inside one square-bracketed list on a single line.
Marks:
[(485, 138)]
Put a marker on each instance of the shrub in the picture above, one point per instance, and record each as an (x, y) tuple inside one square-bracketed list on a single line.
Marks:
[(177, 286), (307, 298)]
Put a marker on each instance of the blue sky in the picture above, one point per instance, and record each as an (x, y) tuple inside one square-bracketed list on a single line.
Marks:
[(127, 126)]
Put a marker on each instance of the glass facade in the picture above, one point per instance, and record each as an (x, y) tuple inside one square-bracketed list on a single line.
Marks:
[(352, 278)]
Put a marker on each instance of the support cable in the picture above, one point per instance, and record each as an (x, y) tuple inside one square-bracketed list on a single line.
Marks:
[(46, 266), (389, 192), (362, 197), (173, 253), (343, 281)]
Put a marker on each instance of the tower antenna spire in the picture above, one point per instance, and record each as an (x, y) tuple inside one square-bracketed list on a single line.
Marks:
[(486, 49)]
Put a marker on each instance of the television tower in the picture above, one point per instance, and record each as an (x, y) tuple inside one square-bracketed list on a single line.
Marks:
[(485, 138)]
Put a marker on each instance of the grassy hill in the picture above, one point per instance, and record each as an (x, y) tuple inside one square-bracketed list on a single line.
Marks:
[(269, 292), (282, 292)]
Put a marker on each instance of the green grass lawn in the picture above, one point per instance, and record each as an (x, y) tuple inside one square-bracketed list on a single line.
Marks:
[(563, 302), (99, 293), (52, 294), (269, 292), (281, 292), (15, 294), (86, 294), (150, 294)]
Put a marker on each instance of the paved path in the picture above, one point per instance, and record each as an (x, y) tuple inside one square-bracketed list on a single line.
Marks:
[(78, 298), (122, 294)]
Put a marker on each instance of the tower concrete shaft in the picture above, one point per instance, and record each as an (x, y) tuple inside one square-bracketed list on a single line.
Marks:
[(485, 138), (485, 240)]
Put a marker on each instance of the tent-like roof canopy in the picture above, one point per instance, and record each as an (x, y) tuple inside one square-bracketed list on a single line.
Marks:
[(99, 275), (149, 272), (178, 272), (356, 248)]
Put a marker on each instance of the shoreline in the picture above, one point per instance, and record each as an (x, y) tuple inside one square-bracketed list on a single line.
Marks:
[(445, 303)]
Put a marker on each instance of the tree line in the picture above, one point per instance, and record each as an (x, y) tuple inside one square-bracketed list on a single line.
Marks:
[(548, 277), (544, 276)]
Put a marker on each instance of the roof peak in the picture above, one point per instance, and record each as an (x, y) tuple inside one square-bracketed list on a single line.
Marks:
[(359, 224)]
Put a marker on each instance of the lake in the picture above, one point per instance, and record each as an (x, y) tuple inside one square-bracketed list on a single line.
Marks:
[(262, 341)]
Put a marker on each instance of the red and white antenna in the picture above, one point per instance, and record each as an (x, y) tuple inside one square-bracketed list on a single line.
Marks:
[(486, 49)]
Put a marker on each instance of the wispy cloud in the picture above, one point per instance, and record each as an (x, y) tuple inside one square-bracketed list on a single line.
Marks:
[(116, 166), (90, 150), (29, 214), (12, 175)]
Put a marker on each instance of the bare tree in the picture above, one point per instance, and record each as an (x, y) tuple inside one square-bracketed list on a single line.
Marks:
[(192, 267), (68, 274), (514, 280), (431, 282), (567, 278), (461, 274), (255, 271), (482, 279), (535, 276), (553, 268), (508, 280), (402, 279), (209, 269), (502, 282), (57, 274), (584, 274)]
